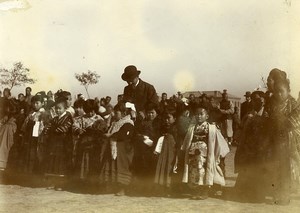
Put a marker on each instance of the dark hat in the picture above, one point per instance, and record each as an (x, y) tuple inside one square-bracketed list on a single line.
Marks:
[(130, 72), (248, 94), (257, 93)]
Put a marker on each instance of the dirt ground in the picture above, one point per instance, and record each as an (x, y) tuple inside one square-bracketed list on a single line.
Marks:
[(14, 198)]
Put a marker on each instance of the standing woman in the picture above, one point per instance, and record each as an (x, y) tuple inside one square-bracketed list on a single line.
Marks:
[(284, 116), (121, 149), (8, 128)]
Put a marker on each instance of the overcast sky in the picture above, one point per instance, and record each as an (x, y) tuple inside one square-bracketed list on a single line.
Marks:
[(178, 45)]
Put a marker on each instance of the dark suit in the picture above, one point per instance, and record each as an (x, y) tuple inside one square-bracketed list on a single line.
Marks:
[(142, 95), (246, 107)]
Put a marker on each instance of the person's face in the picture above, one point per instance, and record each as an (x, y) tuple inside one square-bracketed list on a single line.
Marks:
[(201, 115), (21, 97), (151, 115), (120, 98), (6, 94), (164, 97), (90, 114), (49, 95), (270, 84), (169, 120), (133, 81), (248, 98), (192, 98), (69, 101), (108, 100), (79, 111), (118, 115), (60, 108), (258, 103), (37, 105), (28, 91), (281, 93)]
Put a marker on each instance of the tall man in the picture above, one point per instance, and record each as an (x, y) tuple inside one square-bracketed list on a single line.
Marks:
[(138, 92)]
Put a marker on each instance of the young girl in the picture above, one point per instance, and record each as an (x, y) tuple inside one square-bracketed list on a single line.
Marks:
[(59, 147), (88, 130), (204, 145), (32, 136), (118, 164), (166, 151)]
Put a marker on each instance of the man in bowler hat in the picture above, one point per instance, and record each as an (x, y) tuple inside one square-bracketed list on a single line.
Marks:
[(246, 106), (138, 92)]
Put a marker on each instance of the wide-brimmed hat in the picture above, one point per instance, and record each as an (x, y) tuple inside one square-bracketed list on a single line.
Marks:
[(130, 72), (248, 94)]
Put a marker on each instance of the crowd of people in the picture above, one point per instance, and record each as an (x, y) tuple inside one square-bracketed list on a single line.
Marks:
[(153, 147)]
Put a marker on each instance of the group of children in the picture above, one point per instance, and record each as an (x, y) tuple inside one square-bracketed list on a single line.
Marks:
[(62, 143)]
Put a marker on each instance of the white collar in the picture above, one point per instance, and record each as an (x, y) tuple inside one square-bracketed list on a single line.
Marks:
[(260, 113), (137, 83), (62, 115)]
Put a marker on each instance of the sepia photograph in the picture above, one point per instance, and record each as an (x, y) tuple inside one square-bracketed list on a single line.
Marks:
[(149, 106)]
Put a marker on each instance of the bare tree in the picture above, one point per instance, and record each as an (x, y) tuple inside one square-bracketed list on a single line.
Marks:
[(87, 79), (17, 76)]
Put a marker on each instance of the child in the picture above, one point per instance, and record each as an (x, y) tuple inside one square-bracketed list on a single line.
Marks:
[(78, 107), (88, 130), (118, 164), (32, 135), (204, 145), (59, 146), (166, 151), (147, 135)]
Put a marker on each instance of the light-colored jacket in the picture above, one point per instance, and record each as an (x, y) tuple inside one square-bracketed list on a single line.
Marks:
[(217, 147)]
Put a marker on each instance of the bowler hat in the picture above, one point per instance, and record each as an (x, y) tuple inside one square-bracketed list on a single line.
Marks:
[(130, 72), (248, 94)]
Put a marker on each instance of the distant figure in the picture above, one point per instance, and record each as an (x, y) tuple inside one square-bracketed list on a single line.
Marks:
[(138, 92), (227, 109), (163, 105), (246, 106), (28, 95)]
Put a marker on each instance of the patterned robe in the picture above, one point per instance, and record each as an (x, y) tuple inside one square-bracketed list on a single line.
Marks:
[(202, 155), (59, 146), (32, 142), (87, 146), (284, 121), (7, 130)]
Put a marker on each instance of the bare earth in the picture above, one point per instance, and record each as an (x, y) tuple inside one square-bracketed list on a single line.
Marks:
[(25, 199)]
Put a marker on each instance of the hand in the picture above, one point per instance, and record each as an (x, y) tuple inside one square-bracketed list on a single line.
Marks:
[(107, 135), (81, 131)]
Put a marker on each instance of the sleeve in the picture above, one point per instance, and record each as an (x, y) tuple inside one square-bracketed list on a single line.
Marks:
[(66, 126), (125, 133), (228, 111), (76, 126), (152, 95)]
